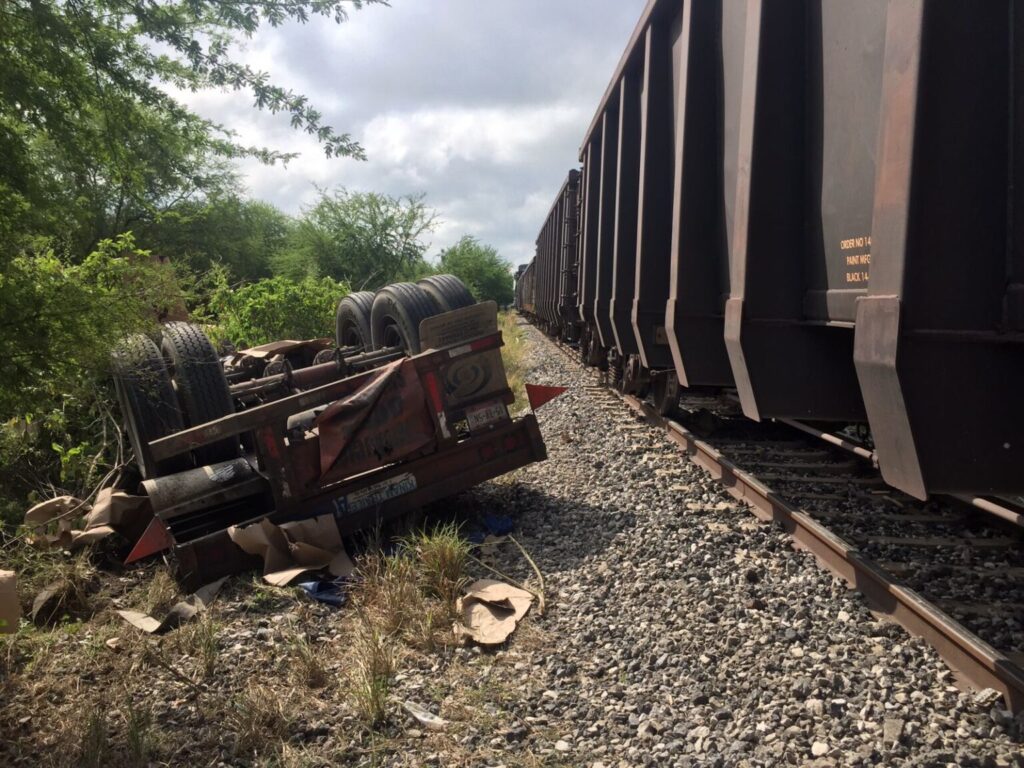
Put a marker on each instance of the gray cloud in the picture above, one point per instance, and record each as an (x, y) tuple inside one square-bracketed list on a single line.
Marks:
[(479, 105)]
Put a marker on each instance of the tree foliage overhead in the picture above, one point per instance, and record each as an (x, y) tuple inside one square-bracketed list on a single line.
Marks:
[(90, 139), (242, 235), (480, 267), (362, 238)]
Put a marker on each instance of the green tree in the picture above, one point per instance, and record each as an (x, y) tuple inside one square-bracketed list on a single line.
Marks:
[(58, 319), (480, 267), (243, 235), (362, 238), (90, 141)]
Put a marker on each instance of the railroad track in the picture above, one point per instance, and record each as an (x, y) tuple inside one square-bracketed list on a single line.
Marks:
[(941, 569)]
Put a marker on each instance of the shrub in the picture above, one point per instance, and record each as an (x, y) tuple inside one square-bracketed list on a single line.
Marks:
[(275, 308)]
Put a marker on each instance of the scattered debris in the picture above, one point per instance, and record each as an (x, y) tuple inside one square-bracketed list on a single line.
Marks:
[(987, 697), (328, 592), (113, 511), (490, 611), (498, 525), (291, 549), (10, 609), (424, 717), (179, 613)]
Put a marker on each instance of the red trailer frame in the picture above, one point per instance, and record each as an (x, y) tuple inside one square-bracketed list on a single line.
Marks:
[(363, 449)]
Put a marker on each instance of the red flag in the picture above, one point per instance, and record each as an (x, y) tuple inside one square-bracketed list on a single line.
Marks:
[(538, 394), (156, 538)]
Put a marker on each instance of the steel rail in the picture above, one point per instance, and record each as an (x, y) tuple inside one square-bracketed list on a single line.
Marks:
[(977, 662)]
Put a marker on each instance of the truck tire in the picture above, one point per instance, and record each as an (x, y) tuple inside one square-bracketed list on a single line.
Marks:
[(200, 384), (352, 320), (448, 291), (148, 404), (397, 313)]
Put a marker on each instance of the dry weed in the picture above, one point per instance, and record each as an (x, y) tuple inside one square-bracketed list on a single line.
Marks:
[(69, 582), (161, 594), (431, 629), (307, 665), (201, 640), (513, 355), (258, 719), (138, 723), (388, 589), (95, 740), (374, 659), (441, 556)]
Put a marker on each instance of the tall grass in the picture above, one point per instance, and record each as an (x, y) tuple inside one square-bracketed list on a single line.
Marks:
[(373, 667), (441, 557), (513, 355)]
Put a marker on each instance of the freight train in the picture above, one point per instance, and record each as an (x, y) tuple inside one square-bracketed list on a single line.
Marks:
[(811, 205)]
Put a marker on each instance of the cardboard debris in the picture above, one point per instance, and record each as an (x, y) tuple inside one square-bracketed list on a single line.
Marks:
[(264, 351), (10, 608), (118, 509), (424, 717), (180, 612), (114, 511), (291, 549), (45, 511), (490, 611), (48, 600)]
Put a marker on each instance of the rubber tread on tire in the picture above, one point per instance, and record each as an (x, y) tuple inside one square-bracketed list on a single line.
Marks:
[(352, 320), (400, 307), (201, 386), (148, 403), (448, 291)]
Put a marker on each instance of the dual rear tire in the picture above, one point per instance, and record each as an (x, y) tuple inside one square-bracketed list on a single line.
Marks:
[(392, 316), (164, 389)]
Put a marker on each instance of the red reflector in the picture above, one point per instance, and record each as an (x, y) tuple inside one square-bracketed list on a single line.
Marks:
[(487, 452), (511, 442)]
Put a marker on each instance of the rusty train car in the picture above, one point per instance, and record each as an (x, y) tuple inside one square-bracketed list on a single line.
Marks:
[(813, 205)]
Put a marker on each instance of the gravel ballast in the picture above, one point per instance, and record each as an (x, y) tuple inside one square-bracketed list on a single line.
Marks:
[(684, 632)]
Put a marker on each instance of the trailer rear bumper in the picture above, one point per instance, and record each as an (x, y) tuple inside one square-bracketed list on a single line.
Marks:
[(378, 496)]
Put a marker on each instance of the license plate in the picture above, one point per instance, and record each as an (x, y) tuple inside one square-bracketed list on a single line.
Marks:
[(377, 494), (480, 416)]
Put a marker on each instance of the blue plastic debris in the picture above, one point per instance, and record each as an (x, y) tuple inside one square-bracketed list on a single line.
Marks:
[(498, 525), (328, 592)]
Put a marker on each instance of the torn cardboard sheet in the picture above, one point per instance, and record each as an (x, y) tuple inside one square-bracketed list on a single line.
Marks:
[(180, 612), (10, 608), (119, 510), (291, 549), (46, 511), (114, 511), (490, 611)]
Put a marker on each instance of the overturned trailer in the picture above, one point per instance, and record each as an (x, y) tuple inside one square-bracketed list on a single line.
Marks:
[(360, 438)]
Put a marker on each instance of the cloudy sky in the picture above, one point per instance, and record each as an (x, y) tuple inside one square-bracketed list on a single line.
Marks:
[(478, 104)]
